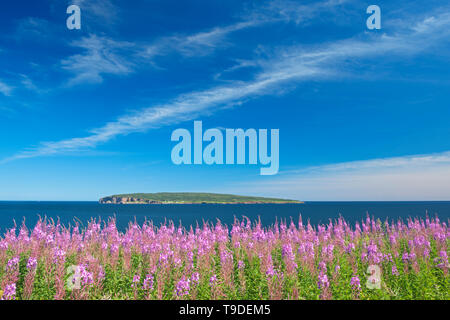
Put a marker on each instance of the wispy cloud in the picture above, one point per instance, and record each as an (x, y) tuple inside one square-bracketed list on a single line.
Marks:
[(293, 11), (30, 85), (5, 89), (35, 29), (416, 177), (105, 10), (201, 43), (205, 42), (100, 56), (289, 65)]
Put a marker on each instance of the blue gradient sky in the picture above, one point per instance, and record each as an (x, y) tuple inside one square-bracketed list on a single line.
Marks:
[(363, 114)]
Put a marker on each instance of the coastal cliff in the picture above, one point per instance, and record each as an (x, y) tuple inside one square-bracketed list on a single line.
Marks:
[(127, 200)]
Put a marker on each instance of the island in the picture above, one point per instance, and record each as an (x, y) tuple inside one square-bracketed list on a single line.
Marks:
[(189, 198)]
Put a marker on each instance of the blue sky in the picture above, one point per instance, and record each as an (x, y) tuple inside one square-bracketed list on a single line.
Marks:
[(363, 114)]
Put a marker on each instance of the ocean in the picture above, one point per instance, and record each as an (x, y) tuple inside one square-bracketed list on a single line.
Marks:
[(315, 212)]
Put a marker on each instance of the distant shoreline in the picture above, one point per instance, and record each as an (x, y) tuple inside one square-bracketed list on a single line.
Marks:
[(181, 203), (190, 198)]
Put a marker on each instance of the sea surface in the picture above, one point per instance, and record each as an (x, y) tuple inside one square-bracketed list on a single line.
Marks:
[(191, 214)]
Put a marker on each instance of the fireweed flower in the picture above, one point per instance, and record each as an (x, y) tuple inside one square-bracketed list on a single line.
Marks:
[(136, 280), (226, 256), (372, 255), (148, 282), (4, 245), (177, 262), (392, 239), (101, 274), (287, 253), (270, 271), (114, 248), (164, 247), (163, 259), (183, 287), (213, 280), (322, 266), (387, 257), (355, 283), (195, 278), (405, 257), (327, 251), (442, 260), (190, 256), (349, 248), (323, 281), (31, 264), (12, 264), (49, 240), (86, 278), (10, 292), (286, 250), (443, 255), (394, 270), (59, 255)]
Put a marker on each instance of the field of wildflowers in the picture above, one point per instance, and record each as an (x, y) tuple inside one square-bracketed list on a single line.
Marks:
[(369, 260)]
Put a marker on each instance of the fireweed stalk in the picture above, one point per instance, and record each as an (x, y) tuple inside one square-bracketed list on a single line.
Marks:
[(244, 261), (29, 278)]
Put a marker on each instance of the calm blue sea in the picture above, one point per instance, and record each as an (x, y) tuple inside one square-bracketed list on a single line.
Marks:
[(316, 212)]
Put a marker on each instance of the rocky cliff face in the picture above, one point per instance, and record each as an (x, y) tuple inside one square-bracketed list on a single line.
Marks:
[(126, 200)]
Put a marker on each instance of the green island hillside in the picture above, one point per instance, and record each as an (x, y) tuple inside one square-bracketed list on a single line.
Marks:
[(188, 198)]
